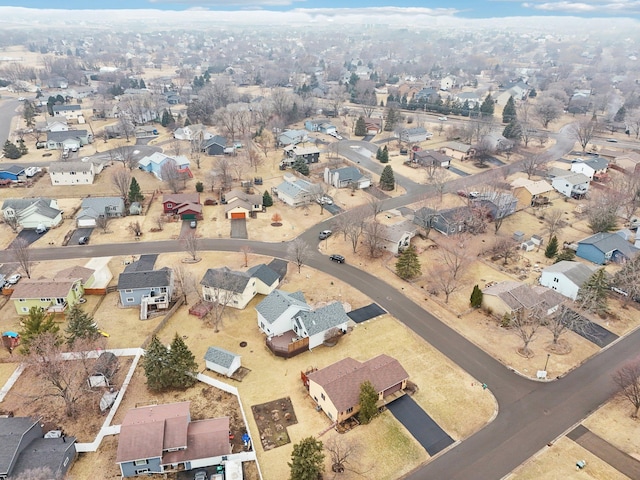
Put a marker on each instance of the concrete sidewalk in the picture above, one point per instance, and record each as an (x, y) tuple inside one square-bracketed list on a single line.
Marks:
[(619, 460)]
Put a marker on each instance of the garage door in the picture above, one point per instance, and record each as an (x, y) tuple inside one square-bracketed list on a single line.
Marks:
[(238, 215), (391, 390), (86, 223)]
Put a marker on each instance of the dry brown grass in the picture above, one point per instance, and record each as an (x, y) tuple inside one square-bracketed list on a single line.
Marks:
[(558, 462)]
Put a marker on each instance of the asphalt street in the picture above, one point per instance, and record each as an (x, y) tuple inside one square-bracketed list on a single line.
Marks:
[(8, 108)]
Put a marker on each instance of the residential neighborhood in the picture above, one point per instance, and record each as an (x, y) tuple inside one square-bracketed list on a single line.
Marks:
[(238, 243)]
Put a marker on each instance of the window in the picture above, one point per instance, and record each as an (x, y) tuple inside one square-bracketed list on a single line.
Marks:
[(141, 462), (350, 409), (163, 289), (129, 299), (25, 309), (23, 299), (322, 396), (128, 290), (142, 470)]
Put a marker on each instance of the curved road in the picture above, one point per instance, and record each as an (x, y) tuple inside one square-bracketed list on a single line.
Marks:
[(531, 413)]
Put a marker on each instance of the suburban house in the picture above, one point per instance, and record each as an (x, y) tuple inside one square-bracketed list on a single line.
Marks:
[(145, 131), (429, 158), (52, 295), (215, 145), (498, 205), (414, 135), (68, 140), (236, 289), (397, 236), (573, 185), (72, 173), (221, 361), (196, 132), (52, 125), (605, 247), (23, 449), (14, 173), (447, 83), (150, 289), (566, 277), (94, 275), (336, 388), (292, 137), (510, 297), (531, 193), (447, 222), (185, 205), (240, 204), (346, 177), (32, 212), (373, 126), (155, 162), (296, 152), (458, 150), (470, 98), (296, 191), (71, 113), (93, 208), (291, 326), (594, 168), (163, 438), (424, 94), (320, 125)]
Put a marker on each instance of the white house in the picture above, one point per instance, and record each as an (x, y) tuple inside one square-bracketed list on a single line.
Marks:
[(591, 168), (296, 191), (571, 184), (566, 277), (236, 289), (414, 135), (397, 236), (72, 173), (447, 83), (346, 177), (32, 212), (72, 113), (221, 361)]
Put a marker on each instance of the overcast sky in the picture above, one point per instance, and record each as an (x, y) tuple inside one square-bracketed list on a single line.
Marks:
[(462, 8)]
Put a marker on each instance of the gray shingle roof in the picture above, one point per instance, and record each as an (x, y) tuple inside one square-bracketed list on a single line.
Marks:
[(608, 242), (46, 453), (576, 272), (277, 302), (138, 280), (15, 169), (219, 356), (597, 163), (293, 189), (226, 279), (11, 431), (66, 108), (69, 134), (100, 204), (42, 206), (70, 167), (323, 318), (263, 273), (348, 174), (144, 264)]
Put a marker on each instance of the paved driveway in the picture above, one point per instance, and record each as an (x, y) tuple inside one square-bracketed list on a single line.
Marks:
[(427, 432), (239, 228), (458, 172), (366, 313), (80, 232), (28, 236)]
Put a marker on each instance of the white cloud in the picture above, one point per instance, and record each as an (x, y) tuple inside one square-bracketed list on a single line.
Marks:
[(231, 3), (625, 7)]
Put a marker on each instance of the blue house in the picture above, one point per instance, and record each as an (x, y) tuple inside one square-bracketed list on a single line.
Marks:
[(12, 173), (321, 125), (604, 247), (155, 162), (151, 289)]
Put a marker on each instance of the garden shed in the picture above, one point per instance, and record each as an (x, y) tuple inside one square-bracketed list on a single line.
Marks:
[(221, 361), (104, 369)]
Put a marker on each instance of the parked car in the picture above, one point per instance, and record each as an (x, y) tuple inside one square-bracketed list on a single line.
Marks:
[(325, 200), (83, 240), (324, 234), (13, 279), (443, 119), (200, 475), (612, 140), (40, 229), (337, 258), (193, 224)]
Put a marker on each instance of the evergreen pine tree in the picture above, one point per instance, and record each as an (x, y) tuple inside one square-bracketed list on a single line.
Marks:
[(135, 192), (513, 130), (267, 200), (29, 113), (37, 323), (142, 84), (10, 150), (367, 401), (509, 111), (565, 254), (384, 156), (408, 265), (487, 106), (361, 127), (533, 93), (379, 154), (22, 147), (155, 363), (80, 325), (199, 187), (300, 165), (592, 296), (552, 248), (387, 179), (620, 114), (183, 365), (166, 118), (187, 122), (476, 297), (307, 460)]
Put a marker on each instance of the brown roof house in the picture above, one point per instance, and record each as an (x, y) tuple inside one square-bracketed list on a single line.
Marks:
[(241, 204), (162, 438), (53, 295), (510, 297), (336, 388), (530, 192)]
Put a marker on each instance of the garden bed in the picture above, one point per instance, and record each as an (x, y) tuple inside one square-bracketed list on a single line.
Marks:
[(272, 419)]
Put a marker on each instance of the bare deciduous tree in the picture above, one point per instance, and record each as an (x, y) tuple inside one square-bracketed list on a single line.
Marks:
[(124, 155), (220, 295), (245, 250), (554, 222), (627, 379), (373, 237), (135, 228), (160, 221), (439, 181), (102, 222), (121, 181), (345, 456), (20, 251), (525, 324), (533, 163), (506, 248), (453, 260), (171, 176), (583, 131), (190, 245), (298, 252), (563, 320), (355, 225), (185, 282), (223, 172), (547, 110)]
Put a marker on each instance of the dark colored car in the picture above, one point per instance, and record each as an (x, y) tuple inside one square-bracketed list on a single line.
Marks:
[(337, 258)]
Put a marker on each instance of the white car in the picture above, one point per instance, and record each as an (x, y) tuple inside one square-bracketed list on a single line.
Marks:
[(13, 279), (324, 200), (443, 119)]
